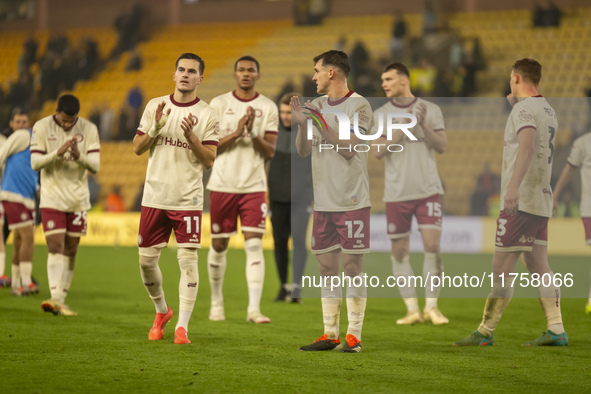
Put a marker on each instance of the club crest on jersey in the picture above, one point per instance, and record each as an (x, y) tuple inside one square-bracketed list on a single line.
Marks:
[(79, 137), (195, 119), (258, 113)]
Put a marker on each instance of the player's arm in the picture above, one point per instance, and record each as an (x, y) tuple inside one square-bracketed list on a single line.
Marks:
[(265, 146), (40, 158), (436, 139), (303, 145), (205, 153), (564, 179), (526, 139), (17, 142), (228, 140), (142, 142), (91, 159)]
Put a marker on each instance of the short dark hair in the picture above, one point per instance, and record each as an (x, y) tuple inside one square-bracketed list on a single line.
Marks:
[(17, 111), (529, 69), (68, 104), (250, 59), (286, 98), (335, 58), (191, 56), (399, 67)]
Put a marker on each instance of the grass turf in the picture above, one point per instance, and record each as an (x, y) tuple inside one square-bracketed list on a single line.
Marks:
[(105, 348)]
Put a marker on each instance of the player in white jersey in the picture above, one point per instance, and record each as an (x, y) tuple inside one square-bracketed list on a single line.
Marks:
[(412, 187), (181, 133), (580, 157), (18, 120), (341, 196), (238, 183), (526, 205), (64, 147)]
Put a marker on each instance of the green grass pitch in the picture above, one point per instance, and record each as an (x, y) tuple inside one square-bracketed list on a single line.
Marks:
[(106, 348)]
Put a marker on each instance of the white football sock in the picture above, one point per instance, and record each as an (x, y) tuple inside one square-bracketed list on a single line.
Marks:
[(216, 268), (16, 277), (331, 309), (432, 267), (356, 302), (55, 268), (188, 285), (408, 293), (152, 278), (255, 272), (2, 263), (550, 301), (67, 275), (498, 299), (26, 271)]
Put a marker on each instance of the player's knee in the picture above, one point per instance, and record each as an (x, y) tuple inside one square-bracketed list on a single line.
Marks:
[(253, 245), (149, 256), (55, 247), (432, 246), (219, 244), (189, 254), (399, 252)]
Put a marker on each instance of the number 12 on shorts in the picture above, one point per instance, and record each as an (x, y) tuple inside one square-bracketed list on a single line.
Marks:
[(189, 219), (358, 232)]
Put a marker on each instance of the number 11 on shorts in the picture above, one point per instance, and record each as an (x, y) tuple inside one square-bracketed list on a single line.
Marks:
[(189, 219)]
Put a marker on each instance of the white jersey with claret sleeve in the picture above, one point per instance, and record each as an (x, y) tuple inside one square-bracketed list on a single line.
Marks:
[(411, 174), (240, 168), (64, 183), (535, 192), (174, 178), (339, 184), (580, 157)]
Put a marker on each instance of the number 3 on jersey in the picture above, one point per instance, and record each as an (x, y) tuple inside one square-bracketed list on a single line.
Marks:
[(189, 220)]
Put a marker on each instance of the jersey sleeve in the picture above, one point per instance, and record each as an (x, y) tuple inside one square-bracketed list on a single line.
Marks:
[(272, 120), (575, 158), (212, 130), (436, 121), (147, 119), (94, 144), (216, 104), (364, 116), (523, 117), (17, 142), (38, 139)]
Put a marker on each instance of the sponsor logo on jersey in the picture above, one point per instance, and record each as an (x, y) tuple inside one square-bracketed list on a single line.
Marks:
[(230, 111), (171, 142)]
